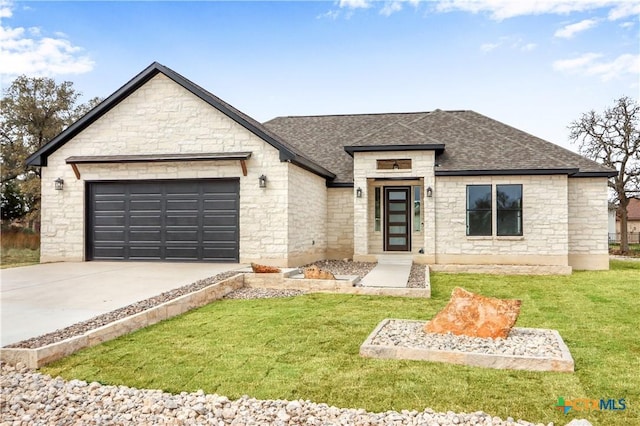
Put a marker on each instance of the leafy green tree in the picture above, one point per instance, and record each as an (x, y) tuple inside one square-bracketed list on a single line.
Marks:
[(33, 110), (12, 205), (613, 139)]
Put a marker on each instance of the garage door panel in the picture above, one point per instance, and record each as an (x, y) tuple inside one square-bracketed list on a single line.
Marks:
[(110, 206), (170, 220), (183, 236), (154, 236), (109, 220), (145, 220), (225, 219), (145, 205)]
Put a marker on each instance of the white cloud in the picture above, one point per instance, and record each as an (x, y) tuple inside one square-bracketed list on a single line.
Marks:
[(6, 10), (625, 9), (627, 24), (570, 30), (391, 7), (504, 9), (590, 64), (512, 42), (488, 47), (26, 51), (354, 4)]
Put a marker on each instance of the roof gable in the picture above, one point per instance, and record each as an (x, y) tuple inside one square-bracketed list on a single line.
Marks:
[(287, 152)]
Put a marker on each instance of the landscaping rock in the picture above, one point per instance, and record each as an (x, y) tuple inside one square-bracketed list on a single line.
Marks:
[(315, 273), (474, 315), (28, 397), (264, 269)]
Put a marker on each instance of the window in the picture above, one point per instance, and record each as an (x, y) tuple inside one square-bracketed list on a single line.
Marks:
[(478, 209), (509, 209), (417, 217), (376, 220)]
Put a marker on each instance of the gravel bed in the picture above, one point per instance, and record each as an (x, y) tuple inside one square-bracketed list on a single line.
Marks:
[(100, 320), (523, 342), (347, 267), (36, 399), (262, 293), (344, 267)]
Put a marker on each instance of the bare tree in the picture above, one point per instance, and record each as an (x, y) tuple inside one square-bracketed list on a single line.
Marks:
[(613, 139)]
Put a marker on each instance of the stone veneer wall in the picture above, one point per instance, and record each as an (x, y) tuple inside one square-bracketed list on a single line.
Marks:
[(588, 222), (364, 172), (545, 223), (307, 211), (340, 222), (162, 117)]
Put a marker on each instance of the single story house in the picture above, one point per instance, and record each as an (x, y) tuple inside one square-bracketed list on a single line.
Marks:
[(164, 170)]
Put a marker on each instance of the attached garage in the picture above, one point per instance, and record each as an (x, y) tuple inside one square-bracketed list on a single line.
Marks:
[(180, 220)]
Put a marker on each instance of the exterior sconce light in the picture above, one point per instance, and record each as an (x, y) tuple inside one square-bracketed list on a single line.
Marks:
[(396, 166), (58, 184), (429, 192), (263, 181), (359, 192)]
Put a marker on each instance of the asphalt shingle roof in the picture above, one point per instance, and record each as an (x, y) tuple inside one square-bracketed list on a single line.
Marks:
[(473, 142)]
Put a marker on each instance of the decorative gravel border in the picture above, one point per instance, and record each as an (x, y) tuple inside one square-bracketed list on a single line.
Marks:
[(387, 342)]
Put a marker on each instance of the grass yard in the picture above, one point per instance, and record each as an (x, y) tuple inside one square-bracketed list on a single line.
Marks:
[(18, 248), (306, 347)]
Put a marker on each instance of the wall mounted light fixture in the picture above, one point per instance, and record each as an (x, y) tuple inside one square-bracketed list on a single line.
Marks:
[(359, 192), (263, 181), (429, 192), (58, 184), (396, 166)]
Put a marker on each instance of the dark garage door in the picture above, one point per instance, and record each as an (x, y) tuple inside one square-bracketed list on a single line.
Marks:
[(163, 220)]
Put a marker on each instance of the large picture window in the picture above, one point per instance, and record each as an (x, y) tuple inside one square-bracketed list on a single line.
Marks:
[(479, 210), (509, 209)]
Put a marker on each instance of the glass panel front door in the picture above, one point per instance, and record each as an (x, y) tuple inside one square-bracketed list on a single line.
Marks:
[(397, 202)]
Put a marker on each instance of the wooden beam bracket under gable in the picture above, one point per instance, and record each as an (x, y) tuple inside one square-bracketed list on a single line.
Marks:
[(158, 158)]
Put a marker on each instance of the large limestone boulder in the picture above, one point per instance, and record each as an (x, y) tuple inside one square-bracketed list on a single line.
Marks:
[(474, 315), (315, 273), (264, 269)]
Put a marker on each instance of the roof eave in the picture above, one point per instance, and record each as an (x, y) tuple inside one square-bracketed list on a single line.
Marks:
[(608, 174), (506, 172), (439, 148), (289, 157)]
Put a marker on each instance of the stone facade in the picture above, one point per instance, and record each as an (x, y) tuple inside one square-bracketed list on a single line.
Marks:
[(588, 242), (296, 219), (545, 225), (307, 217), (340, 223), (367, 241), (164, 118)]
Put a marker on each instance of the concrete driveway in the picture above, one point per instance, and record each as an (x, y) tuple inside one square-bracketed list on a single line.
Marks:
[(39, 299)]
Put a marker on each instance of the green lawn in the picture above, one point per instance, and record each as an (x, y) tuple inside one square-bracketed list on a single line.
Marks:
[(307, 347), (13, 257)]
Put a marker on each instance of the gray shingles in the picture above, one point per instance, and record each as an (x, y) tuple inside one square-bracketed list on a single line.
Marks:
[(473, 142)]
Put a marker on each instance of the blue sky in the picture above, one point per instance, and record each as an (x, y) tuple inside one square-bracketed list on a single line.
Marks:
[(534, 65)]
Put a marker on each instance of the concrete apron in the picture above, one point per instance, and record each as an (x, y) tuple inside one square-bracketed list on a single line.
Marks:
[(40, 299)]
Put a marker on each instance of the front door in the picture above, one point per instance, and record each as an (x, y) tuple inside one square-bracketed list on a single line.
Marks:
[(397, 202)]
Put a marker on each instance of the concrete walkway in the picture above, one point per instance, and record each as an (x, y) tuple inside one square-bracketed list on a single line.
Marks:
[(39, 299), (391, 271)]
